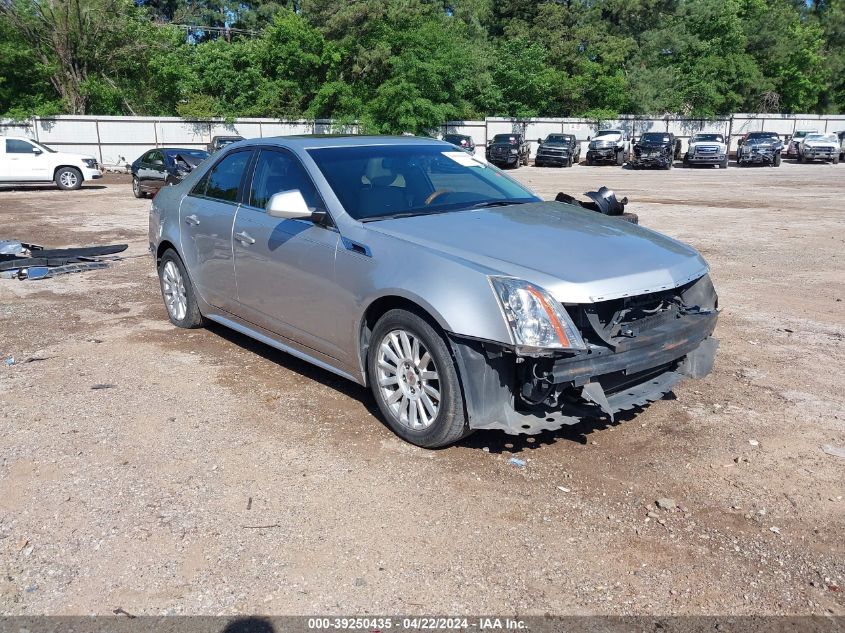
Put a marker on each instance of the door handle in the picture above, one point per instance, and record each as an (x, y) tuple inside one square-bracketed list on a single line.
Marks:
[(192, 219), (244, 238)]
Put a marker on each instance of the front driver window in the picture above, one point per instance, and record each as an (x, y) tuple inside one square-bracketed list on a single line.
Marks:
[(225, 178), (277, 171)]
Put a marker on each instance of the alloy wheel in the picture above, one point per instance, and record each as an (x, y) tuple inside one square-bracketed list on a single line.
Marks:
[(408, 379), (173, 288)]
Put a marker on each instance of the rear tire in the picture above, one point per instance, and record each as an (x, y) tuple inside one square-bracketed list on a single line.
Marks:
[(177, 291), (68, 178), (413, 377)]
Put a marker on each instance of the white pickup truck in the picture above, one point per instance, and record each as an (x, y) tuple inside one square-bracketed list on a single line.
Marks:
[(24, 161)]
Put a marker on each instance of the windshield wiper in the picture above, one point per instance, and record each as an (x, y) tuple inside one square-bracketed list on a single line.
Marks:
[(495, 203), (401, 214)]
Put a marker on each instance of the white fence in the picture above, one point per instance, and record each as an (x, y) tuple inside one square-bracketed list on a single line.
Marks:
[(109, 138)]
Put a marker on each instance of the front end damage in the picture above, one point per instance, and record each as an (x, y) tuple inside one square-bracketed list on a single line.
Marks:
[(638, 349)]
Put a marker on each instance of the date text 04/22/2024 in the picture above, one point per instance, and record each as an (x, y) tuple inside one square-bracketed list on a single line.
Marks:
[(377, 624)]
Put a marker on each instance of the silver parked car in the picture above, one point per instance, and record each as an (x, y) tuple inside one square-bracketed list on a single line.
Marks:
[(462, 299)]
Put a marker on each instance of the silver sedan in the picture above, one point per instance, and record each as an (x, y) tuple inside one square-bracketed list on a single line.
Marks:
[(461, 298)]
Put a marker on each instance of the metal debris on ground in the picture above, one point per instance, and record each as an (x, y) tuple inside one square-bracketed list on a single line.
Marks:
[(19, 260), (836, 451), (519, 463)]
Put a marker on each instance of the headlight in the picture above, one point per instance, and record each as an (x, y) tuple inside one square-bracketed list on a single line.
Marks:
[(514, 152), (90, 163), (536, 321)]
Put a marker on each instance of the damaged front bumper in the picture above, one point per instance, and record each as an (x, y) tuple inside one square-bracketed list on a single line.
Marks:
[(528, 395)]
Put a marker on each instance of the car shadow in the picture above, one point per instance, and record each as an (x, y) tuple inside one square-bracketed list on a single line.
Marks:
[(302, 367), (496, 442)]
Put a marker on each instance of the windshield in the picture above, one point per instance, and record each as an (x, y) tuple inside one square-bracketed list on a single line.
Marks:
[(559, 138), (506, 138), (762, 135), (44, 147), (198, 153), (608, 133), (704, 138), (456, 139), (655, 137), (380, 181), (821, 137)]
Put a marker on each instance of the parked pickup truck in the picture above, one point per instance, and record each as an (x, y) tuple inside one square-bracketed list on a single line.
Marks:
[(654, 149), (558, 149), (609, 146), (508, 150), (759, 148), (24, 161), (707, 149), (819, 147)]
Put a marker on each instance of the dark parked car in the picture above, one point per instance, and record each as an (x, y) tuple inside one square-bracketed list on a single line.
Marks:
[(759, 148), (461, 140), (508, 150), (558, 149), (219, 142), (163, 166), (655, 149)]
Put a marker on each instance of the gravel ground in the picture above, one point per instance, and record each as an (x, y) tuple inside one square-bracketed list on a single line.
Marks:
[(215, 475)]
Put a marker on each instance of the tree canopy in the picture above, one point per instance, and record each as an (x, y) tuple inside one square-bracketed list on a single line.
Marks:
[(409, 65)]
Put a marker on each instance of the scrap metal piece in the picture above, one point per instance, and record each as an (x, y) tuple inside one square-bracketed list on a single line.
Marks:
[(593, 392), (11, 247), (45, 272)]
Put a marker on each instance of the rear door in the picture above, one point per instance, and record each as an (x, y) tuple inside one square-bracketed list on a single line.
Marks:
[(24, 161), (206, 216), (285, 268)]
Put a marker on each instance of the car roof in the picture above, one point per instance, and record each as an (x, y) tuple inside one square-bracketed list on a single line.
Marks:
[(317, 141), (181, 149)]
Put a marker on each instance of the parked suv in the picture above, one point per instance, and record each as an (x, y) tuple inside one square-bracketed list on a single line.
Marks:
[(707, 149), (461, 140), (508, 150), (841, 136), (24, 161), (462, 299), (654, 149), (759, 148), (609, 146), (558, 149)]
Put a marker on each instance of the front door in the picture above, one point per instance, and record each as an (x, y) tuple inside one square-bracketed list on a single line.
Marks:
[(285, 268), (206, 216), (152, 173), (25, 162)]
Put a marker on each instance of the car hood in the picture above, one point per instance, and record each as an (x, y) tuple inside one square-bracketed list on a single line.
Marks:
[(553, 144), (579, 256), (652, 145), (821, 144), (71, 156)]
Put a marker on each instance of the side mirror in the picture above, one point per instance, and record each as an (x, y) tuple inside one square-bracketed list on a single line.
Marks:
[(288, 205), (539, 141), (588, 138), (37, 151)]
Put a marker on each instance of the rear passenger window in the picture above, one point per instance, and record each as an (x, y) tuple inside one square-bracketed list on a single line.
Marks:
[(225, 177)]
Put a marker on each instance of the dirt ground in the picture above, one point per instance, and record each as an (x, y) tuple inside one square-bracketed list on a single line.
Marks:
[(216, 475)]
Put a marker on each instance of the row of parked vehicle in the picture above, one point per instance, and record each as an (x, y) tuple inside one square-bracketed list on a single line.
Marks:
[(658, 149)]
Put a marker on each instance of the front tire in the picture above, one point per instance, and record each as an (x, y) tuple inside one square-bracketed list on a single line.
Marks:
[(68, 178), (136, 188), (178, 292), (415, 382)]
